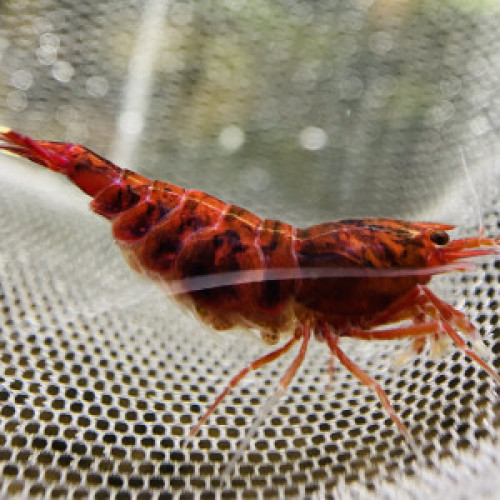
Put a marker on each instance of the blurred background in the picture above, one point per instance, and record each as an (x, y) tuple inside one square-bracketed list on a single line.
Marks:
[(304, 111)]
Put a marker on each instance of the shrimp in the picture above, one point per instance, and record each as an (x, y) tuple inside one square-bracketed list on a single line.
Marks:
[(360, 278)]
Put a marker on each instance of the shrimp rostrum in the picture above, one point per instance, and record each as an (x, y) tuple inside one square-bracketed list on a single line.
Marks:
[(360, 278)]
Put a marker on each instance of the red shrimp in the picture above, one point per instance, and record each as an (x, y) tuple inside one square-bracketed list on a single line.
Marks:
[(359, 278)]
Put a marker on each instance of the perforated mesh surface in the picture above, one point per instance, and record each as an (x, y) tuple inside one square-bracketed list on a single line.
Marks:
[(298, 110)]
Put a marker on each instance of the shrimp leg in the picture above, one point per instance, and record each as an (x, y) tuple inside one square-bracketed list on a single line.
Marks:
[(254, 365), (436, 328), (332, 340), (303, 331), (444, 318), (450, 316), (444, 313)]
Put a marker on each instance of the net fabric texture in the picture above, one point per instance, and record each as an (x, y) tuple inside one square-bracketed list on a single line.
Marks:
[(297, 110)]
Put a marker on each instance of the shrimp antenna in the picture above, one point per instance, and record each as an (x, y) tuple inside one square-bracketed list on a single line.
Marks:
[(477, 203)]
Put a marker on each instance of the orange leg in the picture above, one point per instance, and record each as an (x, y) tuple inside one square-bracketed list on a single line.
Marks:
[(445, 318), (332, 340), (450, 316), (303, 331), (420, 295), (420, 298), (415, 330), (460, 343), (285, 381), (431, 317), (436, 328)]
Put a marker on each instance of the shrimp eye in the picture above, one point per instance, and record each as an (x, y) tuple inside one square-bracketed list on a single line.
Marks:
[(440, 237)]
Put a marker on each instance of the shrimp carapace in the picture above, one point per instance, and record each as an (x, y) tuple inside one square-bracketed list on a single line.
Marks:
[(361, 278)]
